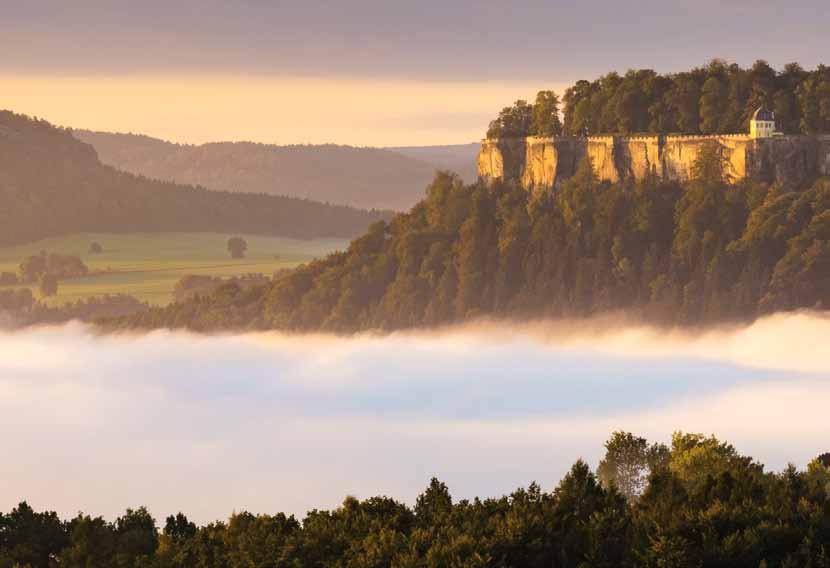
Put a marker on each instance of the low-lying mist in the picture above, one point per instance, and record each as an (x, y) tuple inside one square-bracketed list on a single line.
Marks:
[(268, 422)]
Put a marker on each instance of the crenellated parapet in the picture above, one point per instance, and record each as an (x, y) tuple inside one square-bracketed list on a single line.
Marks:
[(702, 137), (608, 139), (544, 162)]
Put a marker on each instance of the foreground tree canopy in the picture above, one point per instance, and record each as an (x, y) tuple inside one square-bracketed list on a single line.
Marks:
[(695, 253), (718, 98), (701, 504)]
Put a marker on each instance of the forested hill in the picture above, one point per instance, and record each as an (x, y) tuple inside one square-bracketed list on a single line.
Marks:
[(717, 98), (687, 254), (52, 183), (359, 177)]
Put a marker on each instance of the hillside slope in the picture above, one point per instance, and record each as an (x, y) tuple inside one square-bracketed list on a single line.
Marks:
[(696, 253), (51, 184), (457, 158), (360, 177)]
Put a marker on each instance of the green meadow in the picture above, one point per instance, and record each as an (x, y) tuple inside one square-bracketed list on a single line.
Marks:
[(148, 265)]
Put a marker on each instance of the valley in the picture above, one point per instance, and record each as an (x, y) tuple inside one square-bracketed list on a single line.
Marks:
[(311, 284), (147, 266)]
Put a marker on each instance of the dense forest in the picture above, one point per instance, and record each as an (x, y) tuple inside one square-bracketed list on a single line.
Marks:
[(698, 503), (718, 98), (391, 178), (693, 253), (51, 183)]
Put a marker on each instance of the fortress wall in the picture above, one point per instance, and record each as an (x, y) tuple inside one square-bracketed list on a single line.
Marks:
[(790, 159), (824, 154), (541, 163), (490, 162), (502, 159), (603, 157), (546, 162), (549, 161), (570, 152), (680, 152), (637, 156)]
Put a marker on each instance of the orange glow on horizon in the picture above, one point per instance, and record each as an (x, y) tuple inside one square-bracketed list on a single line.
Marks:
[(277, 110)]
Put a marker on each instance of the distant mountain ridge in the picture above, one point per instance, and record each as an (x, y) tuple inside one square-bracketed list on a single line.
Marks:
[(379, 178), (52, 183)]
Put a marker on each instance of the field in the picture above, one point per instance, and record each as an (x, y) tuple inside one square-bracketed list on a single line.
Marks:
[(148, 266)]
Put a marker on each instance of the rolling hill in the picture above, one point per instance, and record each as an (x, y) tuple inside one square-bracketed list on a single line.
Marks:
[(390, 178), (52, 183)]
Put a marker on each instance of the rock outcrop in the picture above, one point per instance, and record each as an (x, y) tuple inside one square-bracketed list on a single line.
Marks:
[(538, 162)]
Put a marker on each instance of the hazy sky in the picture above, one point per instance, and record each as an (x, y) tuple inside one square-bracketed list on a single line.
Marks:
[(268, 422), (358, 71)]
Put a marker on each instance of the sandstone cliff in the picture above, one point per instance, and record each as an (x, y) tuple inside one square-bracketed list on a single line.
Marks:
[(545, 162)]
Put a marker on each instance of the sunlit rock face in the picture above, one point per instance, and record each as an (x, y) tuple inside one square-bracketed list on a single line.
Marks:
[(548, 161), (539, 162), (678, 154)]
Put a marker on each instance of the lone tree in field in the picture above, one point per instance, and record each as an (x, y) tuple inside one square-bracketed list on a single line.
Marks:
[(96, 248), (48, 285), (237, 247)]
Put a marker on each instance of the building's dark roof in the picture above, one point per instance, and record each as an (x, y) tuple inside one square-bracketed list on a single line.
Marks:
[(763, 114)]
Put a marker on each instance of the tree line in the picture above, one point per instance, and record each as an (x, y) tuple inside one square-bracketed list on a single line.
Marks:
[(718, 98), (19, 308), (53, 184), (695, 503), (691, 253)]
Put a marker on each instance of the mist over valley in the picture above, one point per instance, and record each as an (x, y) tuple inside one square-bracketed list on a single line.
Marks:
[(207, 424)]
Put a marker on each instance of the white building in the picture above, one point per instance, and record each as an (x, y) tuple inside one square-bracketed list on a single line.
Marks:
[(762, 124)]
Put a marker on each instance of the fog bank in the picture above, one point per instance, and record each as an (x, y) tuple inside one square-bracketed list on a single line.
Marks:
[(267, 422)]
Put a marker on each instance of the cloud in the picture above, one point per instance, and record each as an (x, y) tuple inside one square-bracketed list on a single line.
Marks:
[(267, 422), (473, 39), (195, 71)]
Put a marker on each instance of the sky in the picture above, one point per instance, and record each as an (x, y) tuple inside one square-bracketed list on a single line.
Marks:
[(269, 422), (362, 72)]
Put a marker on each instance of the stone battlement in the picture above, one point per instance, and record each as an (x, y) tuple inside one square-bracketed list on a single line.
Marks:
[(635, 137), (544, 162), (699, 137)]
